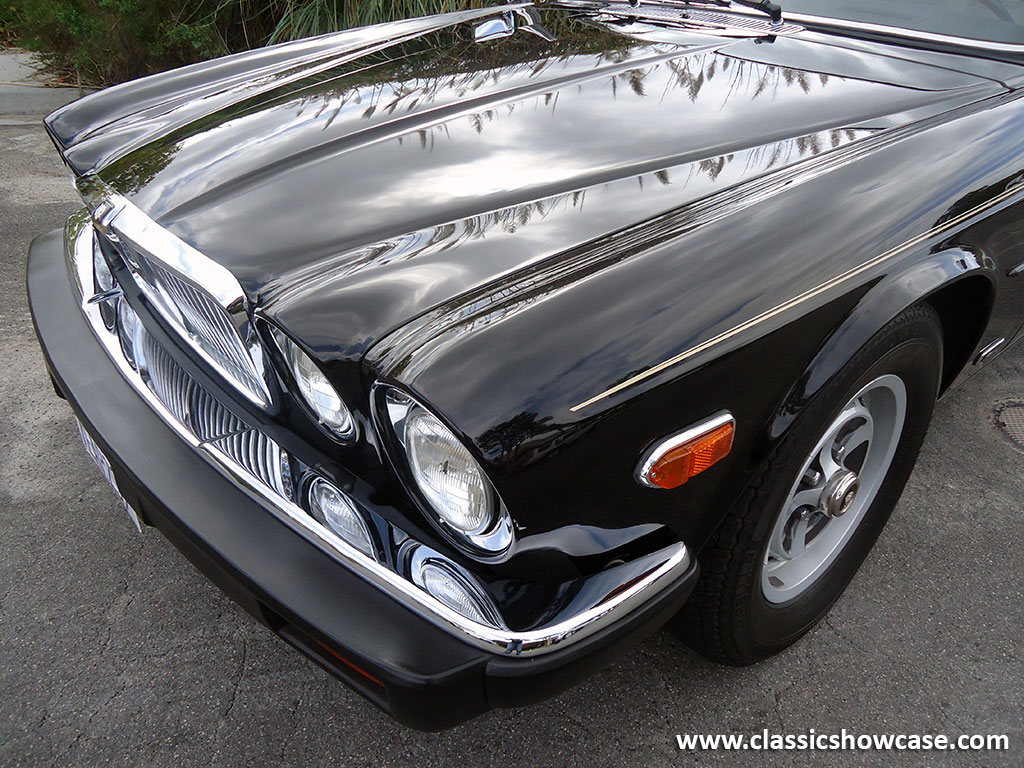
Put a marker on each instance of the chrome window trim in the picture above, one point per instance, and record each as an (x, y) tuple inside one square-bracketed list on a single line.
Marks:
[(674, 563), (652, 455), (121, 221), (810, 20)]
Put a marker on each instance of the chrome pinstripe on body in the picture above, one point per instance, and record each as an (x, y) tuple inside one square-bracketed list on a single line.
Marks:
[(804, 297)]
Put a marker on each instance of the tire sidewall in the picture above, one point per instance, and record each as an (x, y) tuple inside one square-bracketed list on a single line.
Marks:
[(912, 351)]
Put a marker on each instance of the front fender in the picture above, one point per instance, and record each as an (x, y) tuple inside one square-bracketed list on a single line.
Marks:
[(917, 281)]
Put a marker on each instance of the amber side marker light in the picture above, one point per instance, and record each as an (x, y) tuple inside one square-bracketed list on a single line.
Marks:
[(674, 460)]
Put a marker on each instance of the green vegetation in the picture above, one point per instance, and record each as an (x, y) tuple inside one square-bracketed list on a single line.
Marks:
[(99, 42)]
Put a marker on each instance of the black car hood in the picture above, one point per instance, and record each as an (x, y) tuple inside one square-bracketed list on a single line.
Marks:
[(353, 182)]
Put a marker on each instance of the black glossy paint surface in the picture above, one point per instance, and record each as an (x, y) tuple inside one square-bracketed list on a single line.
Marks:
[(510, 229)]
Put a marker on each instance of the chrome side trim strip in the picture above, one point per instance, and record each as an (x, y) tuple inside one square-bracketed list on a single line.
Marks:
[(653, 454), (989, 350), (803, 297), (674, 563)]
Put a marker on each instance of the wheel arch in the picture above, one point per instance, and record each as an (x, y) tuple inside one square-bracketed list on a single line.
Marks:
[(964, 307), (958, 283)]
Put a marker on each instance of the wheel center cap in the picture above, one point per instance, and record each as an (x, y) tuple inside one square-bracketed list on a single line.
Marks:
[(839, 493)]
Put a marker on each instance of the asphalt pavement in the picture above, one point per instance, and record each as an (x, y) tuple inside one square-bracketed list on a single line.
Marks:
[(115, 651)]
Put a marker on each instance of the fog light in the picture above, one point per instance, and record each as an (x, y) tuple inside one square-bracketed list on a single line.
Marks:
[(444, 581), (332, 508), (287, 485)]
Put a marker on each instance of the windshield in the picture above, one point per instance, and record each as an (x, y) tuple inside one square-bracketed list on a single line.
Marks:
[(999, 21)]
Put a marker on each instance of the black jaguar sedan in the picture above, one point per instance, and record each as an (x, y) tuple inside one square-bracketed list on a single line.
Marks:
[(465, 351)]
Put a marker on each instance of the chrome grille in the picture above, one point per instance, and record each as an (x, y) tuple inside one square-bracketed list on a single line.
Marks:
[(224, 340), (209, 326), (210, 422)]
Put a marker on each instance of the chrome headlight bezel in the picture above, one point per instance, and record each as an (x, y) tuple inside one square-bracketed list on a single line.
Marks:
[(393, 408)]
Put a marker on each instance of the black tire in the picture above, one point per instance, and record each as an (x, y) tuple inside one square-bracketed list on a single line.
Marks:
[(728, 619)]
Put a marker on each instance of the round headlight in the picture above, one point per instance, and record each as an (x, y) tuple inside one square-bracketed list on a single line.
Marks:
[(128, 327), (447, 475), (332, 508), (316, 390), (104, 280)]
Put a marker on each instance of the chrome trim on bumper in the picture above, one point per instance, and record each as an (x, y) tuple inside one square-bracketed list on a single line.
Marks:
[(674, 564)]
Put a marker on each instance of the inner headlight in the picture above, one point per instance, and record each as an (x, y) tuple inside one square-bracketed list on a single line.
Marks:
[(316, 391), (448, 477), (104, 283), (128, 326), (103, 279)]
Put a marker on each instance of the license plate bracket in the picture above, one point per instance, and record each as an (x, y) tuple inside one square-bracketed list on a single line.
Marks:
[(103, 463)]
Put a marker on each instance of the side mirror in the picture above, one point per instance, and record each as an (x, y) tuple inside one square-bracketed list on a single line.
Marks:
[(508, 23), (494, 29)]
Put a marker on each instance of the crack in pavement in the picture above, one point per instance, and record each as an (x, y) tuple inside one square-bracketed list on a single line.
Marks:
[(58, 760), (238, 680)]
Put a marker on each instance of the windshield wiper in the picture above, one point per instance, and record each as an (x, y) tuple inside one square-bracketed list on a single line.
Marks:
[(772, 10)]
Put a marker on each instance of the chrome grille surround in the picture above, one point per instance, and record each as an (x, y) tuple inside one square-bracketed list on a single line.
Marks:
[(200, 299), (180, 399)]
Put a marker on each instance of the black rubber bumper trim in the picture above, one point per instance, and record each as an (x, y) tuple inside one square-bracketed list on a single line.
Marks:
[(422, 675)]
